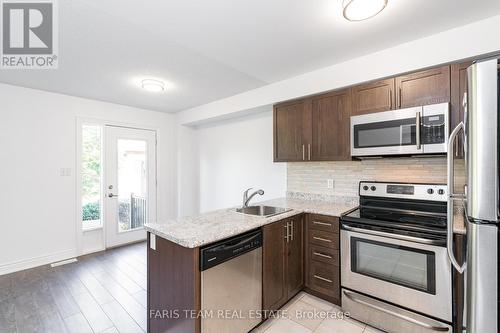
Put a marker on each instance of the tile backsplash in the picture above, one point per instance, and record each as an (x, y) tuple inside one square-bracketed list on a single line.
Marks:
[(312, 177)]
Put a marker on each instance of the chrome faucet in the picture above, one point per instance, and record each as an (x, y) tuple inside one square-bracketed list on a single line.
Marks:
[(246, 198)]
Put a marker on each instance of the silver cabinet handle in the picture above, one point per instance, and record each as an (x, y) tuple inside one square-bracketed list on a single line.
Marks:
[(287, 233), (309, 151), (323, 239), (352, 297), (323, 279), (417, 130), (291, 231), (451, 197), (322, 223), (390, 99), (322, 255), (111, 195), (400, 96), (303, 152)]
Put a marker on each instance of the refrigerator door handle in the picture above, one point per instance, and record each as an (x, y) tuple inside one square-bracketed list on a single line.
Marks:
[(451, 197)]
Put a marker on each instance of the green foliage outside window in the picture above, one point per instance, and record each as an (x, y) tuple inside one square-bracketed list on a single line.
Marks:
[(91, 172)]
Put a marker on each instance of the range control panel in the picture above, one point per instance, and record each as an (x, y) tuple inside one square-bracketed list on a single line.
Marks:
[(432, 192)]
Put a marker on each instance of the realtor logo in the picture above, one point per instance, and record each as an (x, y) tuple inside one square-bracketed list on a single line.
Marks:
[(29, 34)]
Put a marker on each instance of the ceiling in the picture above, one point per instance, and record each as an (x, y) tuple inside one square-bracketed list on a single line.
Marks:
[(208, 50)]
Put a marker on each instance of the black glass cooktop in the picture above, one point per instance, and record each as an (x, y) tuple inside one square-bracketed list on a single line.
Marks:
[(399, 216)]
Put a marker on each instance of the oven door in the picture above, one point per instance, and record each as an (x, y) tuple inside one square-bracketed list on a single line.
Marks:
[(410, 274), (386, 133)]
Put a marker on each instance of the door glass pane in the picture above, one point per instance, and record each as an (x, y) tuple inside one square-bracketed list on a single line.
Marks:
[(387, 133), (91, 176), (401, 265), (132, 184)]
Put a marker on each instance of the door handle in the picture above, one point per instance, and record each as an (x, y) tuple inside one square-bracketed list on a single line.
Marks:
[(417, 130), (451, 197), (111, 195)]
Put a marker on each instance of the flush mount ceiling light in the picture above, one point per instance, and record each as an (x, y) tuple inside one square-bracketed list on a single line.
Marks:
[(359, 10), (153, 85)]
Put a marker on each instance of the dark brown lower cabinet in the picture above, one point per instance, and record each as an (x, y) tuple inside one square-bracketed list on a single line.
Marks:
[(173, 286), (283, 261), (323, 257)]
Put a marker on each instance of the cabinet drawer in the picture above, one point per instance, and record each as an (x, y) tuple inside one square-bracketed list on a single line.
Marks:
[(323, 238), (324, 254), (323, 223), (325, 279)]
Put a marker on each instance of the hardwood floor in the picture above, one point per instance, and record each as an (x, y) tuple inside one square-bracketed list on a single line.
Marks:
[(103, 292)]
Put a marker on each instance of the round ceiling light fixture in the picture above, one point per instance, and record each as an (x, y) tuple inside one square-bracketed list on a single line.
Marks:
[(153, 85), (359, 10)]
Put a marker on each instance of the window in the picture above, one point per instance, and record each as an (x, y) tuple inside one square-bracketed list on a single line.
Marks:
[(91, 176)]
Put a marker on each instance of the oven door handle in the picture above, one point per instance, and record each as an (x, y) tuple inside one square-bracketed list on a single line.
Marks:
[(394, 236), (352, 297)]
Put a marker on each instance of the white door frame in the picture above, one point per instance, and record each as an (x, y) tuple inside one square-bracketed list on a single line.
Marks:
[(79, 232)]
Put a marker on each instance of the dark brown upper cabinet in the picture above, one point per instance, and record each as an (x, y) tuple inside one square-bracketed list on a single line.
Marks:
[(431, 86), (330, 127), (458, 90), (374, 97), (291, 131)]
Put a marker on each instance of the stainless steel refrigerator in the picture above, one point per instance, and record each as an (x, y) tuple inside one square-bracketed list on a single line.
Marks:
[(481, 129)]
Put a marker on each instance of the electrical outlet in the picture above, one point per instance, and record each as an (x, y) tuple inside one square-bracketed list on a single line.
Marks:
[(330, 183)]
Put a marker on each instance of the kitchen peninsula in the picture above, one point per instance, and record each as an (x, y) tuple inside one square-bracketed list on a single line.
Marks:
[(174, 277)]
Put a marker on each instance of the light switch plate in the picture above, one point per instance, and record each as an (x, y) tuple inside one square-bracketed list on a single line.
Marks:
[(330, 183), (152, 241), (65, 172)]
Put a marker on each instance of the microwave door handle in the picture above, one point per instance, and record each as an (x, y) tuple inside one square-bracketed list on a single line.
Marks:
[(417, 130), (451, 198)]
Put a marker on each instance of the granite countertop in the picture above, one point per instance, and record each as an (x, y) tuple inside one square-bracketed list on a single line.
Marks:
[(203, 229), (195, 231)]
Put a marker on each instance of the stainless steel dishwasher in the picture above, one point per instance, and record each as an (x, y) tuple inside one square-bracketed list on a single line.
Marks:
[(231, 284)]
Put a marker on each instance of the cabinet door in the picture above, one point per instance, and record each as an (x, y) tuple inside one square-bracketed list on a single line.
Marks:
[(422, 88), (274, 266), (373, 97), (330, 127), (290, 131), (458, 89), (295, 257)]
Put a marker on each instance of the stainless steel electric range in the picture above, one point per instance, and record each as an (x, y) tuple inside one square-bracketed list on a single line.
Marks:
[(396, 274)]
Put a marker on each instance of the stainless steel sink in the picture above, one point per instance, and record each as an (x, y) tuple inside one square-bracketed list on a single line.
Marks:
[(264, 211)]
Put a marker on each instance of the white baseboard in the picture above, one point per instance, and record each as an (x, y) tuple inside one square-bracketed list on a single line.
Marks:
[(36, 261), (92, 250)]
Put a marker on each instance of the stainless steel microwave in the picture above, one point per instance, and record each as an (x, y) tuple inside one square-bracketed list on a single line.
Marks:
[(411, 131)]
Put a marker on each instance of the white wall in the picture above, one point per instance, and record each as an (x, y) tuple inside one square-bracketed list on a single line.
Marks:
[(37, 139), (456, 44), (237, 154), (188, 171)]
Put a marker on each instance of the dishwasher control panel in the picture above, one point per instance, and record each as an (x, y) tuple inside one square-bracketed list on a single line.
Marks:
[(224, 250)]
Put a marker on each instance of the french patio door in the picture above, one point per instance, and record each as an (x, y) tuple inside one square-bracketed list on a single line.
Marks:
[(130, 183)]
